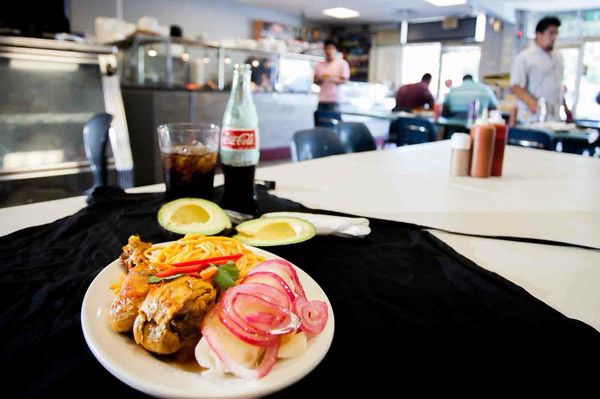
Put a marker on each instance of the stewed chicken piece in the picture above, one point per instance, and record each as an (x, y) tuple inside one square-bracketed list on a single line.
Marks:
[(171, 314), (134, 288)]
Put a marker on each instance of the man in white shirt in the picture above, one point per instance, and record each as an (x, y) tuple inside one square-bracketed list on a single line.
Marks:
[(537, 73), (329, 74)]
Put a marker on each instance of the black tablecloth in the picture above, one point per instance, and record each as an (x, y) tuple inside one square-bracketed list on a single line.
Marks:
[(409, 310)]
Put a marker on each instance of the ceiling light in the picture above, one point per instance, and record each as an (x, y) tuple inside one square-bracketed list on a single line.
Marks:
[(480, 28), (444, 3), (341, 12), (152, 53)]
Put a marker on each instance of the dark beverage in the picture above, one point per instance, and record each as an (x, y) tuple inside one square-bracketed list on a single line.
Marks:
[(239, 145), (189, 172), (239, 191)]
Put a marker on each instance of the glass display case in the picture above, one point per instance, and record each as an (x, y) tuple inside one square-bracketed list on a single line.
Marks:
[(176, 62), (49, 90)]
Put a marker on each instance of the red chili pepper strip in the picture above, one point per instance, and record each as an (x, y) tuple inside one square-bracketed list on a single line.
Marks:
[(208, 260), (197, 265)]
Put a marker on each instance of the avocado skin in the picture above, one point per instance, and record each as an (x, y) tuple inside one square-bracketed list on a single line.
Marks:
[(219, 221)]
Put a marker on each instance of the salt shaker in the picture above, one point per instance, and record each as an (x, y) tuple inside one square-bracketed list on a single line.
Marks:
[(461, 154)]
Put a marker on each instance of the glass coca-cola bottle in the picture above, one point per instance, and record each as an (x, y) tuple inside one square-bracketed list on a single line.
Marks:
[(239, 148)]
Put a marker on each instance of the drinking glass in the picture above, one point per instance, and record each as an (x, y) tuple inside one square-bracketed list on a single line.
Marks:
[(189, 158)]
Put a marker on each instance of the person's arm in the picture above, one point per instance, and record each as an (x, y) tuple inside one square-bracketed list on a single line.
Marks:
[(345, 75), (493, 102), (524, 96), (567, 111), (518, 82), (429, 100), (317, 75)]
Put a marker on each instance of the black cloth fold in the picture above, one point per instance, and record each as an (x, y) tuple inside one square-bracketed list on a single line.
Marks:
[(408, 309)]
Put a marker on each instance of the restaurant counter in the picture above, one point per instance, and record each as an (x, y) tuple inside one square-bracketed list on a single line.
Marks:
[(280, 115)]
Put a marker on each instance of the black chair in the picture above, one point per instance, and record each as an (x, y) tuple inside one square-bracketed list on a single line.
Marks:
[(316, 143), (95, 137), (407, 131), (530, 138), (355, 137), (327, 118)]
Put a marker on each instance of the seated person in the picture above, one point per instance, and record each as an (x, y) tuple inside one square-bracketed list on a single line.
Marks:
[(414, 95), (263, 73), (458, 99)]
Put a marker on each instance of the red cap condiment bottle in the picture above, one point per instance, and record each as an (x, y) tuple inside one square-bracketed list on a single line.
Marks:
[(483, 135)]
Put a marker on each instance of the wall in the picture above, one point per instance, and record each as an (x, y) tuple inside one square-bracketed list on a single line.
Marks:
[(497, 50), (386, 58), (217, 19)]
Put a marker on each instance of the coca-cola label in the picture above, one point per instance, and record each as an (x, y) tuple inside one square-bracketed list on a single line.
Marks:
[(238, 139)]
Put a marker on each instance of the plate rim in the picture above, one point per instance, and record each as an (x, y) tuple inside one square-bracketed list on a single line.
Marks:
[(158, 390)]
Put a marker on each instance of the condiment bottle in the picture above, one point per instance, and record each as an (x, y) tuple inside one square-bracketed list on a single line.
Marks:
[(437, 110), (461, 154), (499, 143), (483, 135)]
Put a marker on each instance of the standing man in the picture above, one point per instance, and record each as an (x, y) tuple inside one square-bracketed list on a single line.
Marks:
[(537, 73), (414, 95), (329, 74)]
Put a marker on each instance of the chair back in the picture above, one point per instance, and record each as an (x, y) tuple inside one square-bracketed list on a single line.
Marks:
[(407, 131), (355, 137), (95, 137), (530, 138), (327, 118), (316, 143)]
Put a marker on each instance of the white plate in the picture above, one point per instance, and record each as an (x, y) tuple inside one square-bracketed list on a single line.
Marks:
[(133, 365)]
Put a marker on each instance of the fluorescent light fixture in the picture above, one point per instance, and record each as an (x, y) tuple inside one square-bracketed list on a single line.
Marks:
[(43, 65), (341, 12), (445, 3), (480, 28)]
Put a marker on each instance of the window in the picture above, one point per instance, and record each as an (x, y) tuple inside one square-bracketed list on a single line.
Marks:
[(419, 59), (458, 61)]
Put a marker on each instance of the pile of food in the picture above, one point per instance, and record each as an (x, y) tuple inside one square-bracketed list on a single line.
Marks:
[(239, 311)]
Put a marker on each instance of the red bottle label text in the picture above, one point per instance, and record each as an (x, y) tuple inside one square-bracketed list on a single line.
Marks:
[(238, 139)]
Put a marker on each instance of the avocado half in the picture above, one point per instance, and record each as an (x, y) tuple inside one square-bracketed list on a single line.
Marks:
[(266, 232), (193, 216)]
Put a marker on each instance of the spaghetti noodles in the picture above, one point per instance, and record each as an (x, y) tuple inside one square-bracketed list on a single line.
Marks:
[(198, 247)]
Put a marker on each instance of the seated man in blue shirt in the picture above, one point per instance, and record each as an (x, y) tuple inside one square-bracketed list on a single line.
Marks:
[(458, 99)]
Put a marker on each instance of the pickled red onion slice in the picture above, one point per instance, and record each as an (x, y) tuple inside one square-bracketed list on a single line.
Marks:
[(313, 314), (283, 269), (250, 313), (272, 279), (237, 356)]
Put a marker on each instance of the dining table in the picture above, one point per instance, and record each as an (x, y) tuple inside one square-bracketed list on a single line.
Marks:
[(462, 280), (574, 139)]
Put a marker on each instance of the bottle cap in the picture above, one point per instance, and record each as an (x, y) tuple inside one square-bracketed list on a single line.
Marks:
[(496, 117), (461, 141), (484, 120)]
